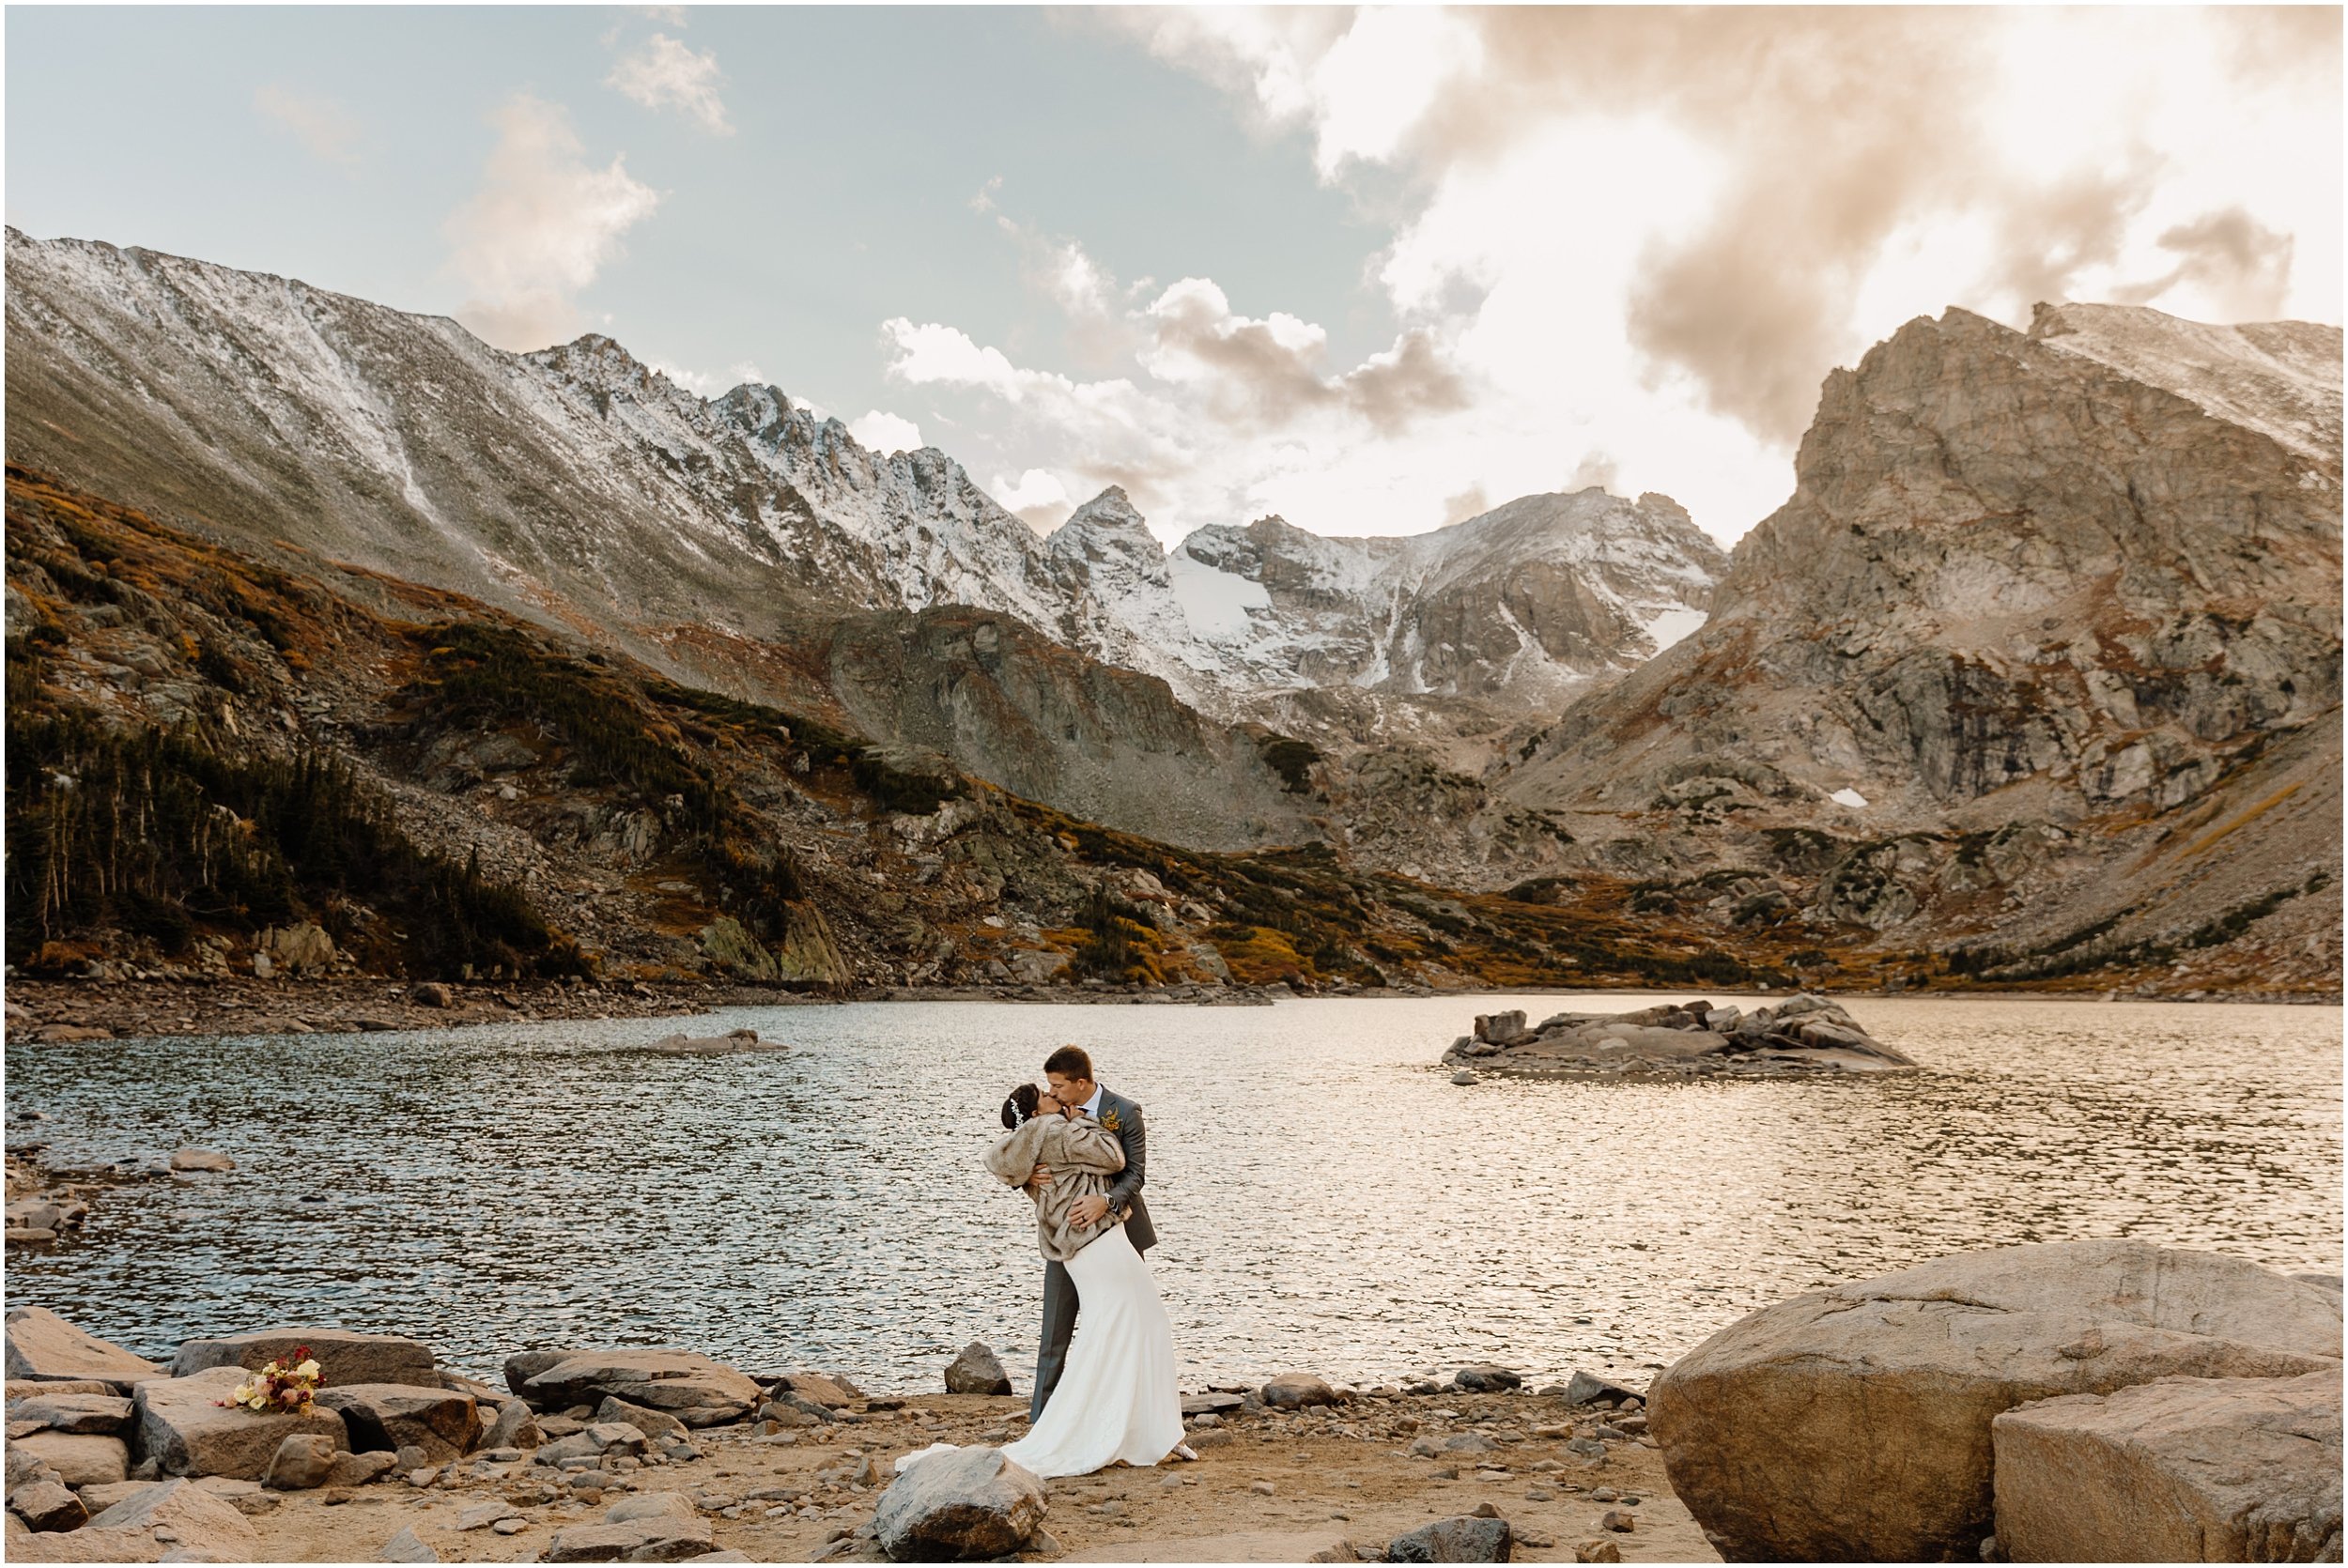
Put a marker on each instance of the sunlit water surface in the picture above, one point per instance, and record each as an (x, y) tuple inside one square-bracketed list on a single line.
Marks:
[(1326, 1198)]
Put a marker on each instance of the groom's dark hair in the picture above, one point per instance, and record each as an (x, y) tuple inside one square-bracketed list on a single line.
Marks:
[(1070, 1061)]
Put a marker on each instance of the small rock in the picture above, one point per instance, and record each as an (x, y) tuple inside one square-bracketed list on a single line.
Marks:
[(357, 1469), (302, 1461), (201, 1159), (407, 1546), (1461, 1539), (47, 1506), (1296, 1391), (977, 1370), (1487, 1379), (1263, 1488), (1615, 1519), (431, 993), (1601, 1550), (1586, 1387)]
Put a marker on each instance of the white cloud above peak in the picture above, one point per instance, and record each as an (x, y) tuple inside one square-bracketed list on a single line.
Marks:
[(662, 72), (543, 222), (886, 433)]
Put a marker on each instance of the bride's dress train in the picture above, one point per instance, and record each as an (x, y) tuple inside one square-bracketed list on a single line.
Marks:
[(1117, 1398)]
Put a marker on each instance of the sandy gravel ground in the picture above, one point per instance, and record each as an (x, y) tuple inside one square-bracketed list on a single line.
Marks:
[(1327, 1491)]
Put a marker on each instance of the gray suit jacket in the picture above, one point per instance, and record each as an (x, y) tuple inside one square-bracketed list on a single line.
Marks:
[(1123, 1117)]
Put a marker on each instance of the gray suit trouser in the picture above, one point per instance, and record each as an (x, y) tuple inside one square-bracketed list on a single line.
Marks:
[(1059, 1326)]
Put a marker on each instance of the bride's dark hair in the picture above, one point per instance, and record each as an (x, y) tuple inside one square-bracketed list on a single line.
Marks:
[(1021, 1105)]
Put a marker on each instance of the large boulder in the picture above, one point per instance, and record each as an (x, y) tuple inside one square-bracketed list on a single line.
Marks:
[(1855, 1422), (388, 1416), (343, 1357), (43, 1347), (185, 1429), (198, 1521), (977, 1370), (91, 1414), (79, 1460), (972, 1502), (692, 1387), (2182, 1469)]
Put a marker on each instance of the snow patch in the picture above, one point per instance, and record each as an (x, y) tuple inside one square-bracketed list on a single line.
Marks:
[(1667, 626), (1215, 603)]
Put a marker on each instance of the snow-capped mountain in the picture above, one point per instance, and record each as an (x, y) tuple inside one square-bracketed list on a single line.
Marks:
[(577, 484), (1516, 607)]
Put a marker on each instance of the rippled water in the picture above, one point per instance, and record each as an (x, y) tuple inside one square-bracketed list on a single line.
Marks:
[(1325, 1197)]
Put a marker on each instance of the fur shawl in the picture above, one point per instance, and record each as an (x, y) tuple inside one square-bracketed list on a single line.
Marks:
[(1082, 1154)]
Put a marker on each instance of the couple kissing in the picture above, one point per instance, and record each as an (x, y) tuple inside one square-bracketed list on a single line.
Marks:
[(1104, 1375)]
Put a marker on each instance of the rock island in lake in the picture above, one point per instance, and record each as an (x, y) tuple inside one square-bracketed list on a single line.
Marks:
[(1802, 1033)]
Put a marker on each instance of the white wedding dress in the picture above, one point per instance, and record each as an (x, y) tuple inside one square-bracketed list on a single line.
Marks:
[(1116, 1397)]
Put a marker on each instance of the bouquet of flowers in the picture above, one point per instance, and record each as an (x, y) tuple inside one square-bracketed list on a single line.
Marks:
[(288, 1384)]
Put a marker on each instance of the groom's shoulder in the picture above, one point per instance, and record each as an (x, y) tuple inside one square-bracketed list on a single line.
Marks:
[(1123, 1102)]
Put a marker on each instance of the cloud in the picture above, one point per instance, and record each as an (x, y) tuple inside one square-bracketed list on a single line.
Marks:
[(1038, 496), (663, 73), (932, 353), (330, 131), (2241, 265), (1470, 502), (1202, 412), (541, 226), (702, 383), (885, 433), (1597, 468), (1653, 230)]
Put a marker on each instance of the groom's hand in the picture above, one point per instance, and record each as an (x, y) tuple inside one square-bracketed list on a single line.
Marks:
[(1037, 1177), (1089, 1212)]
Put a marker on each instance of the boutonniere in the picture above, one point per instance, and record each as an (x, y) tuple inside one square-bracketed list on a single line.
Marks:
[(1109, 1121)]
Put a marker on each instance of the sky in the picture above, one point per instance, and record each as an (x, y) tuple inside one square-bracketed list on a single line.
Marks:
[(1373, 270)]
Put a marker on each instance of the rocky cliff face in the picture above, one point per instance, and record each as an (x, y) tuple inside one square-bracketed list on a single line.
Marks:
[(2044, 612)]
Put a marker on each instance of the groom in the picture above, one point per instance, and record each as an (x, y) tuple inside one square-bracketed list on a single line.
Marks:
[(1069, 1072)]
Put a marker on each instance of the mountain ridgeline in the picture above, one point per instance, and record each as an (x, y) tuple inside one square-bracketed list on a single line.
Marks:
[(2035, 679)]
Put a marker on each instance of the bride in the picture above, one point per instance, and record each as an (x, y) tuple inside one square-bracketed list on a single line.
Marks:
[(1117, 1400)]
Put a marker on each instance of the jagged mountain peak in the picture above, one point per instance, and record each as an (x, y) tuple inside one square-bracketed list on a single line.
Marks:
[(1106, 522)]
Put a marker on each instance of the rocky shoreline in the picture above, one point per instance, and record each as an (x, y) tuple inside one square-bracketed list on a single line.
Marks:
[(2037, 1403), (667, 1456), (52, 1011)]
